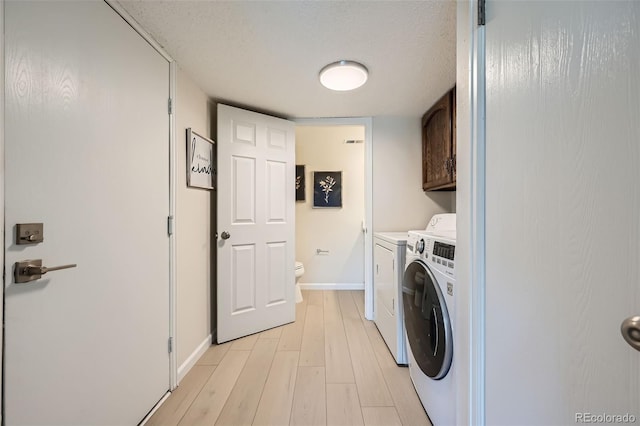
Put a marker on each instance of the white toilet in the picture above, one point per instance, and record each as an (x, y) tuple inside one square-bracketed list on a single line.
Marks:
[(299, 273)]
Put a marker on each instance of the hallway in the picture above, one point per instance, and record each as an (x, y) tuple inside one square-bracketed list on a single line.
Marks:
[(329, 367)]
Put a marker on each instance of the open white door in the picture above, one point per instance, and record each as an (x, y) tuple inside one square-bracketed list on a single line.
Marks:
[(256, 223), (87, 155)]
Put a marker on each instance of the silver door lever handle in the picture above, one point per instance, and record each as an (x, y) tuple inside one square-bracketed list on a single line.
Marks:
[(31, 270), (41, 270)]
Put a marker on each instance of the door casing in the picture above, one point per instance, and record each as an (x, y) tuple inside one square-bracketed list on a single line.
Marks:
[(174, 379), (2, 186), (470, 198)]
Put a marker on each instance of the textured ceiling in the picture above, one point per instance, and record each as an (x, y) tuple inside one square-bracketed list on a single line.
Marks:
[(266, 55)]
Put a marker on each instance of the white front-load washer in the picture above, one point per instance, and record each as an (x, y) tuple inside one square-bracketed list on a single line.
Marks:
[(429, 308)]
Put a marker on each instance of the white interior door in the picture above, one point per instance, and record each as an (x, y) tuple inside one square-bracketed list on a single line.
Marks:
[(256, 222), (86, 154), (562, 211)]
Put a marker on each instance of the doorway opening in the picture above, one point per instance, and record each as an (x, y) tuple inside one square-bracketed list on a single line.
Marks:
[(333, 220)]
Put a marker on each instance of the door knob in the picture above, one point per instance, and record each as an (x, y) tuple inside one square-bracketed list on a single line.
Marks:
[(225, 235), (31, 270), (630, 330)]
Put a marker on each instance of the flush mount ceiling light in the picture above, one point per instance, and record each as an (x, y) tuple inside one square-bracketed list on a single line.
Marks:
[(343, 75)]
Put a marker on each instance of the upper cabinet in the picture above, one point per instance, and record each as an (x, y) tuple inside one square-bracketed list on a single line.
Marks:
[(439, 145)]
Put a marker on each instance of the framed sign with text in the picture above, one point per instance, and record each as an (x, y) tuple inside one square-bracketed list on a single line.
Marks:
[(200, 161)]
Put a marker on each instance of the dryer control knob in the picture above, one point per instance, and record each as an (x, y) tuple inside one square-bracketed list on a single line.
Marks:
[(420, 246)]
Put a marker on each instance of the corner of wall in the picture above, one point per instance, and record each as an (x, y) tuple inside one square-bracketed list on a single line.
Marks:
[(212, 116), (193, 229)]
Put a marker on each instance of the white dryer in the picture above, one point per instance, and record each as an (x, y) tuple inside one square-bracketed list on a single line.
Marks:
[(429, 307), (389, 262)]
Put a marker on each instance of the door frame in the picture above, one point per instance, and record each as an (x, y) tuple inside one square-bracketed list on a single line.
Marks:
[(470, 202), (171, 108), (367, 123), (2, 209), (478, 224)]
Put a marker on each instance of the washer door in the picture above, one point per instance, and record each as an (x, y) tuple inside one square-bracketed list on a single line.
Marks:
[(426, 321)]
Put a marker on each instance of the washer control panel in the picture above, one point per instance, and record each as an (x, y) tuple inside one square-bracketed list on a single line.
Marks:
[(440, 254), (446, 251)]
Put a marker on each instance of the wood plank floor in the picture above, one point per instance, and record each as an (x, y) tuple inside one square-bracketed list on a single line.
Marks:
[(329, 367)]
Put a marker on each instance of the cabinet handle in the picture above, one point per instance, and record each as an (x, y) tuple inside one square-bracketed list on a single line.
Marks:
[(448, 165)]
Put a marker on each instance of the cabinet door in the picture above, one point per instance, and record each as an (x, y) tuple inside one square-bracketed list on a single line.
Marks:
[(437, 154)]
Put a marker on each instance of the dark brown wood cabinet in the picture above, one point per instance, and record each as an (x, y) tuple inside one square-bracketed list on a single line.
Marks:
[(439, 145)]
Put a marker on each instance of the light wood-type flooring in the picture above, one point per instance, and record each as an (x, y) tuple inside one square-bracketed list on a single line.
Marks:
[(329, 367)]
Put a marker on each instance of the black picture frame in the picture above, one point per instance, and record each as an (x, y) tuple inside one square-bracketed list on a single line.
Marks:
[(300, 183), (327, 189)]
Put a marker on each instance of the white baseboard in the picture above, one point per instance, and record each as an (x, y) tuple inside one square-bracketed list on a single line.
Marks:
[(332, 286), (193, 358)]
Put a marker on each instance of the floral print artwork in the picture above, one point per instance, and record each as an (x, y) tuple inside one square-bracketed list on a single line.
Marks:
[(300, 183), (326, 185), (327, 189)]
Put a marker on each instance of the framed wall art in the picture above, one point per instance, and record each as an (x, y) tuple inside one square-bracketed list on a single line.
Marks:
[(200, 161), (327, 189), (300, 183)]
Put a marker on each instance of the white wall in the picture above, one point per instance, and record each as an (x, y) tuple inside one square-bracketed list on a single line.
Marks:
[(399, 203), (193, 229), (562, 210), (323, 148)]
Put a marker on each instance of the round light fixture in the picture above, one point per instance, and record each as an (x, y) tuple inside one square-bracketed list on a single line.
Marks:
[(343, 75)]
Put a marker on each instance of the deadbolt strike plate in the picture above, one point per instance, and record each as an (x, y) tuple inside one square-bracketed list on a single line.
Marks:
[(29, 233)]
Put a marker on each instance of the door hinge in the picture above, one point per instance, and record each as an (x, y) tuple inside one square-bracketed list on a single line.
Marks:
[(170, 225), (170, 344), (170, 106), (481, 13)]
